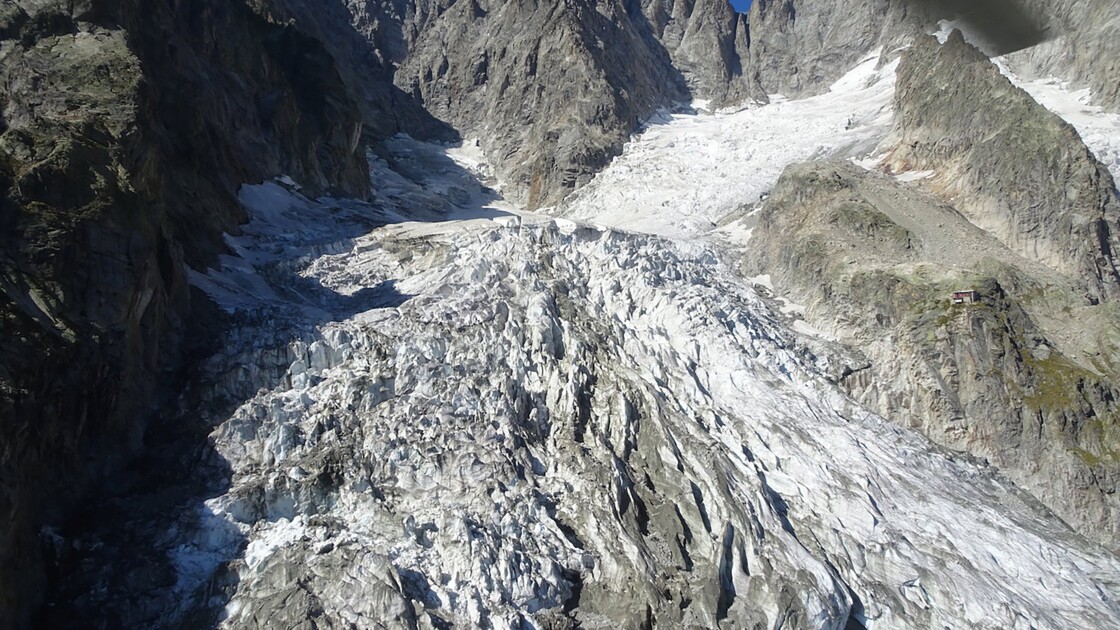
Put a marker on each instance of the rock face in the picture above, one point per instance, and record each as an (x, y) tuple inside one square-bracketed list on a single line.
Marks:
[(1084, 49), (708, 42), (1016, 169), (800, 48), (553, 89), (364, 66), (876, 263), (126, 130)]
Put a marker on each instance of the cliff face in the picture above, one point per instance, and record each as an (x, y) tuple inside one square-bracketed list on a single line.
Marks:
[(1025, 378), (707, 41), (553, 89), (126, 129), (800, 48), (363, 65)]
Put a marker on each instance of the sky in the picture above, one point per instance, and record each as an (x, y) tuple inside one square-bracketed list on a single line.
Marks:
[(741, 5)]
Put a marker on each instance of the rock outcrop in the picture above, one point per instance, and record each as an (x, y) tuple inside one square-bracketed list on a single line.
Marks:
[(876, 264), (127, 128), (1013, 167), (364, 63)]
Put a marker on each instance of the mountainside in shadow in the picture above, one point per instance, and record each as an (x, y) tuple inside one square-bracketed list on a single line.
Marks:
[(127, 129)]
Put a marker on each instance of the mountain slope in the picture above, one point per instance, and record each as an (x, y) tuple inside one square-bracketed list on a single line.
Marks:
[(1014, 168), (1024, 213), (1011, 379), (510, 420)]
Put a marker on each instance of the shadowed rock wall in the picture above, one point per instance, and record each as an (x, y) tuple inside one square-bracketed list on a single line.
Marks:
[(126, 130)]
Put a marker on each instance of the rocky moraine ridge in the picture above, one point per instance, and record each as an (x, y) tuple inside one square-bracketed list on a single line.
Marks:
[(228, 402)]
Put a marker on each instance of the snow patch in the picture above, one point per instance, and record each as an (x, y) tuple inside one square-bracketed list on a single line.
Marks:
[(907, 177)]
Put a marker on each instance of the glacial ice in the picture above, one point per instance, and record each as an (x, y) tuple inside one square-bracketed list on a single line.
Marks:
[(684, 173), (503, 419)]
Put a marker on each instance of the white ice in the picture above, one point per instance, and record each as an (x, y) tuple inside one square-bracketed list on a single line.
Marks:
[(684, 173), (428, 335)]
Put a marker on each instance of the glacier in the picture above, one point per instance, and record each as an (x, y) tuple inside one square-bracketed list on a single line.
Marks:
[(433, 409), (491, 418), (685, 174)]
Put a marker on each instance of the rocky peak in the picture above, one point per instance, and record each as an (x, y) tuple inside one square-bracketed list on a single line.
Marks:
[(1016, 169), (707, 42)]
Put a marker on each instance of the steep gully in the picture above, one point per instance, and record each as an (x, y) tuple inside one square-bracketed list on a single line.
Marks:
[(496, 418)]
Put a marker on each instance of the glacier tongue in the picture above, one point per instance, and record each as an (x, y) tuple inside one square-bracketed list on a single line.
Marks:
[(517, 422)]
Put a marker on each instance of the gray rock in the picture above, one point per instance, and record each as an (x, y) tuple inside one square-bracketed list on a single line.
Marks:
[(1014, 168), (876, 264), (126, 129), (707, 42), (800, 48), (554, 89)]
